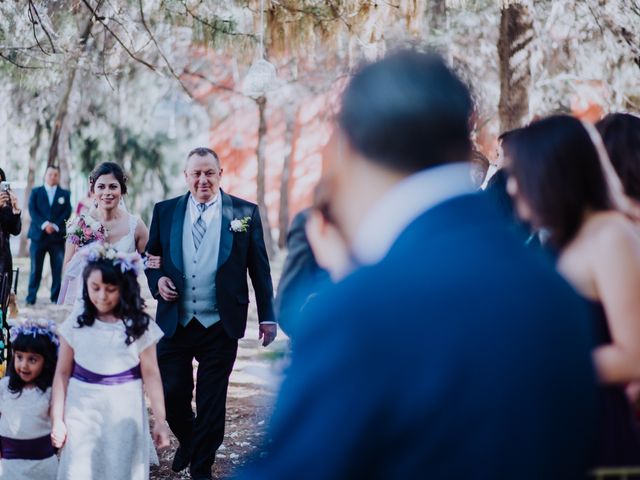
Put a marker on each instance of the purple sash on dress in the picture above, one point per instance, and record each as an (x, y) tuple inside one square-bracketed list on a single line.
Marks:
[(31, 449), (87, 376)]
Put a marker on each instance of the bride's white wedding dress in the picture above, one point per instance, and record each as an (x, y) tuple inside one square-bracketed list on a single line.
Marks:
[(71, 289)]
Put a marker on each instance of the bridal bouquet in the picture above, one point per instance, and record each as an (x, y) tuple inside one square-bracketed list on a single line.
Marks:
[(84, 230)]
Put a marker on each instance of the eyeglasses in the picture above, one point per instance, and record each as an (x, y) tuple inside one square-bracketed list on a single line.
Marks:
[(209, 174)]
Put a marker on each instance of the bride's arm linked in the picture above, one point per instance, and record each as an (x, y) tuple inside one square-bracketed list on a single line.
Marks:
[(160, 284), (142, 238)]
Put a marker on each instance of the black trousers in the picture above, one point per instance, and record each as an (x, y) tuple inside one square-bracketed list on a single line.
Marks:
[(37, 251), (215, 352)]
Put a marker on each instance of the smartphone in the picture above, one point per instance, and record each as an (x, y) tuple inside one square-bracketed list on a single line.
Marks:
[(5, 186)]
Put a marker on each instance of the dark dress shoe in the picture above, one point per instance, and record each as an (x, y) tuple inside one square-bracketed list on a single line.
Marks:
[(181, 459), (201, 477)]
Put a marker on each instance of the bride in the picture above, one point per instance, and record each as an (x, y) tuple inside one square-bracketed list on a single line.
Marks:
[(125, 232)]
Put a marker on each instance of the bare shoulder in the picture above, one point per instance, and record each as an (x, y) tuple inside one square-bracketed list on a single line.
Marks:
[(140, 224), (610, 230)]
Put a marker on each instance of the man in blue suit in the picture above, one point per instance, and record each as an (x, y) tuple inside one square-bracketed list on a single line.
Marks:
[(451, 352), (301, 279), (50, 208)]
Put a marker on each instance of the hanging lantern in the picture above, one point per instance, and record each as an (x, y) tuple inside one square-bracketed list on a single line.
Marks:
[(261, 77)]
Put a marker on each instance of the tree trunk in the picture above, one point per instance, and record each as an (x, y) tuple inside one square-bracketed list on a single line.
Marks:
[(436, 15), (58, 134), (260, 179), (31, 179), (516, 33), (283, 214)]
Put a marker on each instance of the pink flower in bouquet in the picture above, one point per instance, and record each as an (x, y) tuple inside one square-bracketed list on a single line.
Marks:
[(83, 231)]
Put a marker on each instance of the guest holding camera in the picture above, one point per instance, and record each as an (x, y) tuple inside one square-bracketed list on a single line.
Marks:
[(10, 224)]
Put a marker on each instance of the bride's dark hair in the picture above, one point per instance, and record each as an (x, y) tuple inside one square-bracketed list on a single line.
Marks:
[(109, 168), (130, 308)]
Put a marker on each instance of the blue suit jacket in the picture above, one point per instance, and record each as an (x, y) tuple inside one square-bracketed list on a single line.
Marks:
[(461, 355), (57, 213), (240, 253), (301, 279)]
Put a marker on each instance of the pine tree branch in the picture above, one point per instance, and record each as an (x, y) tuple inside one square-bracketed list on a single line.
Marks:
[(37, 20), (117, 38), (214, 27), (19, 65), (164, 57), (213, 83)]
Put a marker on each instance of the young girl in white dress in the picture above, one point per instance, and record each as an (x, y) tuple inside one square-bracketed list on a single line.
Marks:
[(25, 394), (107, 354)]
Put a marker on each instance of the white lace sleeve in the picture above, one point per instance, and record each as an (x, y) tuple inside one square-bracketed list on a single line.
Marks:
[(148, 338)]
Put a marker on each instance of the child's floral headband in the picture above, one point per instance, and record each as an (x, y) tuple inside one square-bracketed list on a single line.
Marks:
[(33, 327), (128, 262)]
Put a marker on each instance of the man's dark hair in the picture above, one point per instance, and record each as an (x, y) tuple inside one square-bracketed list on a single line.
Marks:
[(408, 112), (203, 152), (559, 174), (3, 177), (621, 135), (53, 167)]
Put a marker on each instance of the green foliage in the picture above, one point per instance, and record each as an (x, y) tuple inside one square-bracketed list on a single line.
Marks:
[(141, 156), (90, 154), (143, 160)]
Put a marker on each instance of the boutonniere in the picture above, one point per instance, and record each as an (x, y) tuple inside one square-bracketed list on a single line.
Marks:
[(61, 200), (240, 224)]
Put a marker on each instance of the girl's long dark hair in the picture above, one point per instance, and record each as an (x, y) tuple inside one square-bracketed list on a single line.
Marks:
[(621, 136), (130, 309), (559, 174), (42, 345)]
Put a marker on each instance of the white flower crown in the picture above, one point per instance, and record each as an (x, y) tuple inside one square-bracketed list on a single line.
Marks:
[(128, 262), (33, 327)]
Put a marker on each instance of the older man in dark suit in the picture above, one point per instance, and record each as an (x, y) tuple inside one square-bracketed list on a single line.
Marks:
[(412, 366), (208, 241)]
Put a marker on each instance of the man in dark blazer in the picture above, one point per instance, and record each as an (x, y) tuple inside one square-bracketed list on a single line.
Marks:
[(208, 241), (50, 208), (302, 278), (411, 366)]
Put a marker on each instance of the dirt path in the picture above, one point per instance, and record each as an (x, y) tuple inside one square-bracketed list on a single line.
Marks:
[(254, 379)]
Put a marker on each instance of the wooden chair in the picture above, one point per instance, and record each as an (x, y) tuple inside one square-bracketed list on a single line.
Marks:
[(6, 288)]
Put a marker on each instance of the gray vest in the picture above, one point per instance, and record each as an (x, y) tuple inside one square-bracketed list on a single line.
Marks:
[(199, 297)]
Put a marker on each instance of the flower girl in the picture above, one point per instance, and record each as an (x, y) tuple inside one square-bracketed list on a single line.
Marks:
[(107, 354), (25, 394)]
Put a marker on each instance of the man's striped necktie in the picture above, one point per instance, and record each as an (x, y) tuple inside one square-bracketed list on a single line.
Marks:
[(199, 228)]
